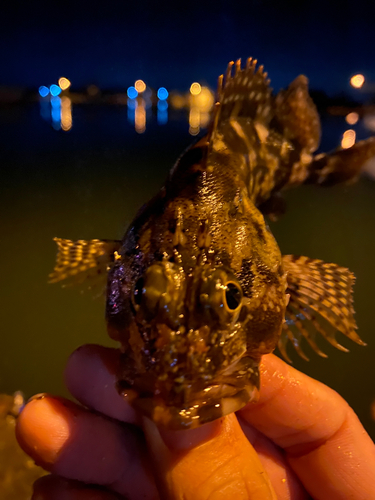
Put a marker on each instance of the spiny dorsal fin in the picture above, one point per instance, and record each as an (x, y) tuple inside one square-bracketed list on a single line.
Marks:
[(83, 259), (320, 301), (244, 93)]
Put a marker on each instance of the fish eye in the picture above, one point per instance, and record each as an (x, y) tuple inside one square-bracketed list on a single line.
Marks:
[(138, 291), (233, 296)]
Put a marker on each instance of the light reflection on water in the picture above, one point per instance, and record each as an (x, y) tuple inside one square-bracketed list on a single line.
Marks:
[(89, 183)]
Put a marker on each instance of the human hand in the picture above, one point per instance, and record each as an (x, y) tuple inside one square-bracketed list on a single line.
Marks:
[(300, 439)]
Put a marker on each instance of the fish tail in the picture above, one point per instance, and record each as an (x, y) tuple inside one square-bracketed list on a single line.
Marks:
[(341, 165)]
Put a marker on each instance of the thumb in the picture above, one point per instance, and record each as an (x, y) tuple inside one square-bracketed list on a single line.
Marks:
[(214, 461)]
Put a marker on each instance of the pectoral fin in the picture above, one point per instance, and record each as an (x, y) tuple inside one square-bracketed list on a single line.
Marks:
[(320, 301), (83, 260)]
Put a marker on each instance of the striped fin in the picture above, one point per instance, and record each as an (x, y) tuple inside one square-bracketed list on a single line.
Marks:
[(297, 113), (320, 302), (244, 92), (83, 259), (244, 99), (239, 135), (342, 165)]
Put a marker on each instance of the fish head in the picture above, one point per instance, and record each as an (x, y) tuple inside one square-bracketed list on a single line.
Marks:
[(192, 336)]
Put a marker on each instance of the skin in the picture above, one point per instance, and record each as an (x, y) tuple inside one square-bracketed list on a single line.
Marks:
[(300, 440)]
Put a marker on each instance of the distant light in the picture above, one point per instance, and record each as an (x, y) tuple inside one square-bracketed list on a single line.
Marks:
[(195, 88), (348, 139), (357, 81), (132, 103), (55, 101), (204, 100), (162, 114), (163, 93), (132, 92), (64, 83), (92, 90), (162, 105), (43, 91), (55, 90), (352, 118), (56, 112), (140, 86), (140, 117), (178, 101), (66, 113)]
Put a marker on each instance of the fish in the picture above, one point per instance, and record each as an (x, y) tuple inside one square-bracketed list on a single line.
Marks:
[(197, 291)]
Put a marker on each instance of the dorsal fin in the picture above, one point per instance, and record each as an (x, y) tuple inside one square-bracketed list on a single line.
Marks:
[(243, 94)]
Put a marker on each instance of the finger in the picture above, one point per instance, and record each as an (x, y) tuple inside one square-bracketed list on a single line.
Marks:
[(214, 461), (72, 442), (284, 480), (324, 441), (56, 487), (90, 376)]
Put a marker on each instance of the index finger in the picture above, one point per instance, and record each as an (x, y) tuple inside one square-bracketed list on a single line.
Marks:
[(324, 440)]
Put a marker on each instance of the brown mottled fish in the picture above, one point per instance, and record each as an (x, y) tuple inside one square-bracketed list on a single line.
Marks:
[(197, 290)]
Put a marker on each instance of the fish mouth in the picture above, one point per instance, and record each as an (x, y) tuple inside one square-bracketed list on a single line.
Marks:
[(228, 394)]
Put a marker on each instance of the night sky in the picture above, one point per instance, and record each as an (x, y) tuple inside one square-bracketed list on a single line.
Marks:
[(118, 42)]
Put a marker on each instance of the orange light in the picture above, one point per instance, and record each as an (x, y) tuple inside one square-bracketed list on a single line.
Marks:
[(140, 116), (92, 90), (357, 81), (204, 100), (348, 139), (66, 113), (195, 88), (140, 86), (64, 83), (352, 118), (177, 101), (194, 121)]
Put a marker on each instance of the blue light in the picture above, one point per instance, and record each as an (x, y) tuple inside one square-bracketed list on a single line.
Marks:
[(55, 102), (132, 104), (132, 92), (163, 93), (55, 90), (162, 105), (43, 91), (162, 117)]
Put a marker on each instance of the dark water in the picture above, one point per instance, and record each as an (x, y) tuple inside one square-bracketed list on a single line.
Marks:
[(88, 183)]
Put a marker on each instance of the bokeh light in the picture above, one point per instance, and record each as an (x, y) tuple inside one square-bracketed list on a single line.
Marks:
[(348, 139), (178, 101), (357, 81), (140, 117), (194, 121), (43, 91), (162, 93), (66, 113), (56, 111), (352, 118), (64, 83), (93, 90), (132, 92), (204, 100), (55, 90), (195, 88), (162, 105), (140, 86)]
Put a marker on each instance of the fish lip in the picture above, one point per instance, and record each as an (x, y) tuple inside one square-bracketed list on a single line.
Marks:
[(213, 402)]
